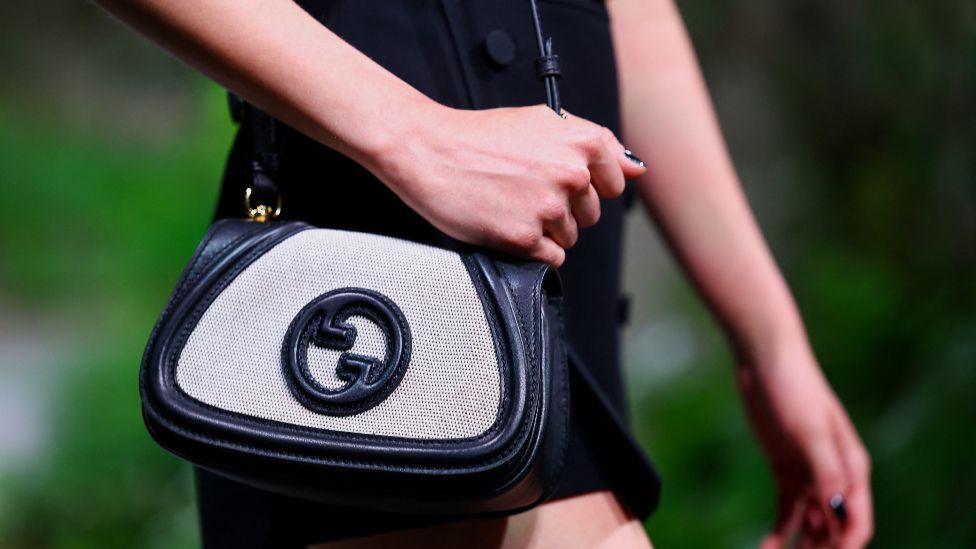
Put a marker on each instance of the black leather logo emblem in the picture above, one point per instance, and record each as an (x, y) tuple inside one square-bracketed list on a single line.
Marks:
[(367, 380)]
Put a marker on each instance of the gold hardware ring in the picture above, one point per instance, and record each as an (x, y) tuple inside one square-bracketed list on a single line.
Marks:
[(261, 212)]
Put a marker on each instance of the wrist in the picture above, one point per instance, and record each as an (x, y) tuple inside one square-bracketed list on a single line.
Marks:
[(782, 341), (394, 135)]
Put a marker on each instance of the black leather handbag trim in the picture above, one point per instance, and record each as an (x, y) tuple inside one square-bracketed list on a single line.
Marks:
[(498, 470)]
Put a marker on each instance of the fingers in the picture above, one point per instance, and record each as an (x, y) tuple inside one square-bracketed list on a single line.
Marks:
[(829, 479), (593, 167), (860, 522), (528, 242), (788, 516), (608, 162), (548, 251), (839, 466), (552, 229), (859, 526), (817, 528), (586, 207), (605, 168), (562, 231)]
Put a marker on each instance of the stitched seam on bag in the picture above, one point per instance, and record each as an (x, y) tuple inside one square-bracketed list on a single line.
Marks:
[(536, 305), (183, 334), (183, 282), (494, 329), (200, 310), (271, 452), (518, 308), (171, 304), (564, 399), (265, 454), (203, 248), (532, 362), (531, 342), (208, 299)]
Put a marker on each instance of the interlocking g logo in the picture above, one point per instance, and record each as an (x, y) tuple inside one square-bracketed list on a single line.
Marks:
[(366, 380)]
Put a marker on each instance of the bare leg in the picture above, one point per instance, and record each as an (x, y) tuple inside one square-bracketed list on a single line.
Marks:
[(589, 520)]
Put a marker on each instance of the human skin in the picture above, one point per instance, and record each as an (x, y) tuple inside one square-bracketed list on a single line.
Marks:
[(693, 193), (523, 180)]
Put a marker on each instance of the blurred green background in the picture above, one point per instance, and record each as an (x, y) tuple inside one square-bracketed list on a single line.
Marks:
[(853, 125)]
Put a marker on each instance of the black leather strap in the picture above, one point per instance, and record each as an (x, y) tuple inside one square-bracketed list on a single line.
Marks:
[(632, 471), (547, 64), (263, 136), (263, 139), (264, 146)]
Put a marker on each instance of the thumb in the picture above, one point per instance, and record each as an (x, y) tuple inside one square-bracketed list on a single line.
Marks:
[(788, 510)]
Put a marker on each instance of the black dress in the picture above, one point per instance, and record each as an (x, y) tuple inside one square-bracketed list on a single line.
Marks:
[(466, 54)]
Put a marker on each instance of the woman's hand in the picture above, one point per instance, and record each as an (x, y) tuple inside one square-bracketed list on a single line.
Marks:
[(815, 454), (521, 180)]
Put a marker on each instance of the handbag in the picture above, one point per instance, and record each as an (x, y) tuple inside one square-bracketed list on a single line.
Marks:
[(360, 369)]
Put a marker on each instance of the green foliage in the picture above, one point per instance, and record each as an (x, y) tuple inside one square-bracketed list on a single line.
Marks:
[(102, 230)]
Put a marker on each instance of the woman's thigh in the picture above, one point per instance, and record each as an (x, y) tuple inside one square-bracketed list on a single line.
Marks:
[(590, 520)]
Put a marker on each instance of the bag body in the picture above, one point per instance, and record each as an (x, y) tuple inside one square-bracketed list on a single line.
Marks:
[(362, 370)]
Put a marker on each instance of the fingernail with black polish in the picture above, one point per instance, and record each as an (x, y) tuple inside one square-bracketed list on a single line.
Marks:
[(836, 504), (633, 158)]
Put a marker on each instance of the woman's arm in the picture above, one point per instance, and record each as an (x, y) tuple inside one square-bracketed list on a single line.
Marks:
[(693, 192), (521, 180), (278, 57)]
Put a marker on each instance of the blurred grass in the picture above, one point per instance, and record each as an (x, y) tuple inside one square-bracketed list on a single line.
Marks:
[(852, 125)]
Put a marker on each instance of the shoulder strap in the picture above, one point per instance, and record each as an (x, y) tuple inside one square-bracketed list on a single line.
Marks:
[(262, 143), (264, 147), (547, 64)]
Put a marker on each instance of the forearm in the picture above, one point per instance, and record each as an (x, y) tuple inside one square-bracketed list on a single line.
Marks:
[(278, 57), (691, 187)]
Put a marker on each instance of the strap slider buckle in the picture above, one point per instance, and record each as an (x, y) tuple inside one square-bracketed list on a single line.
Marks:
[(547, 65)]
